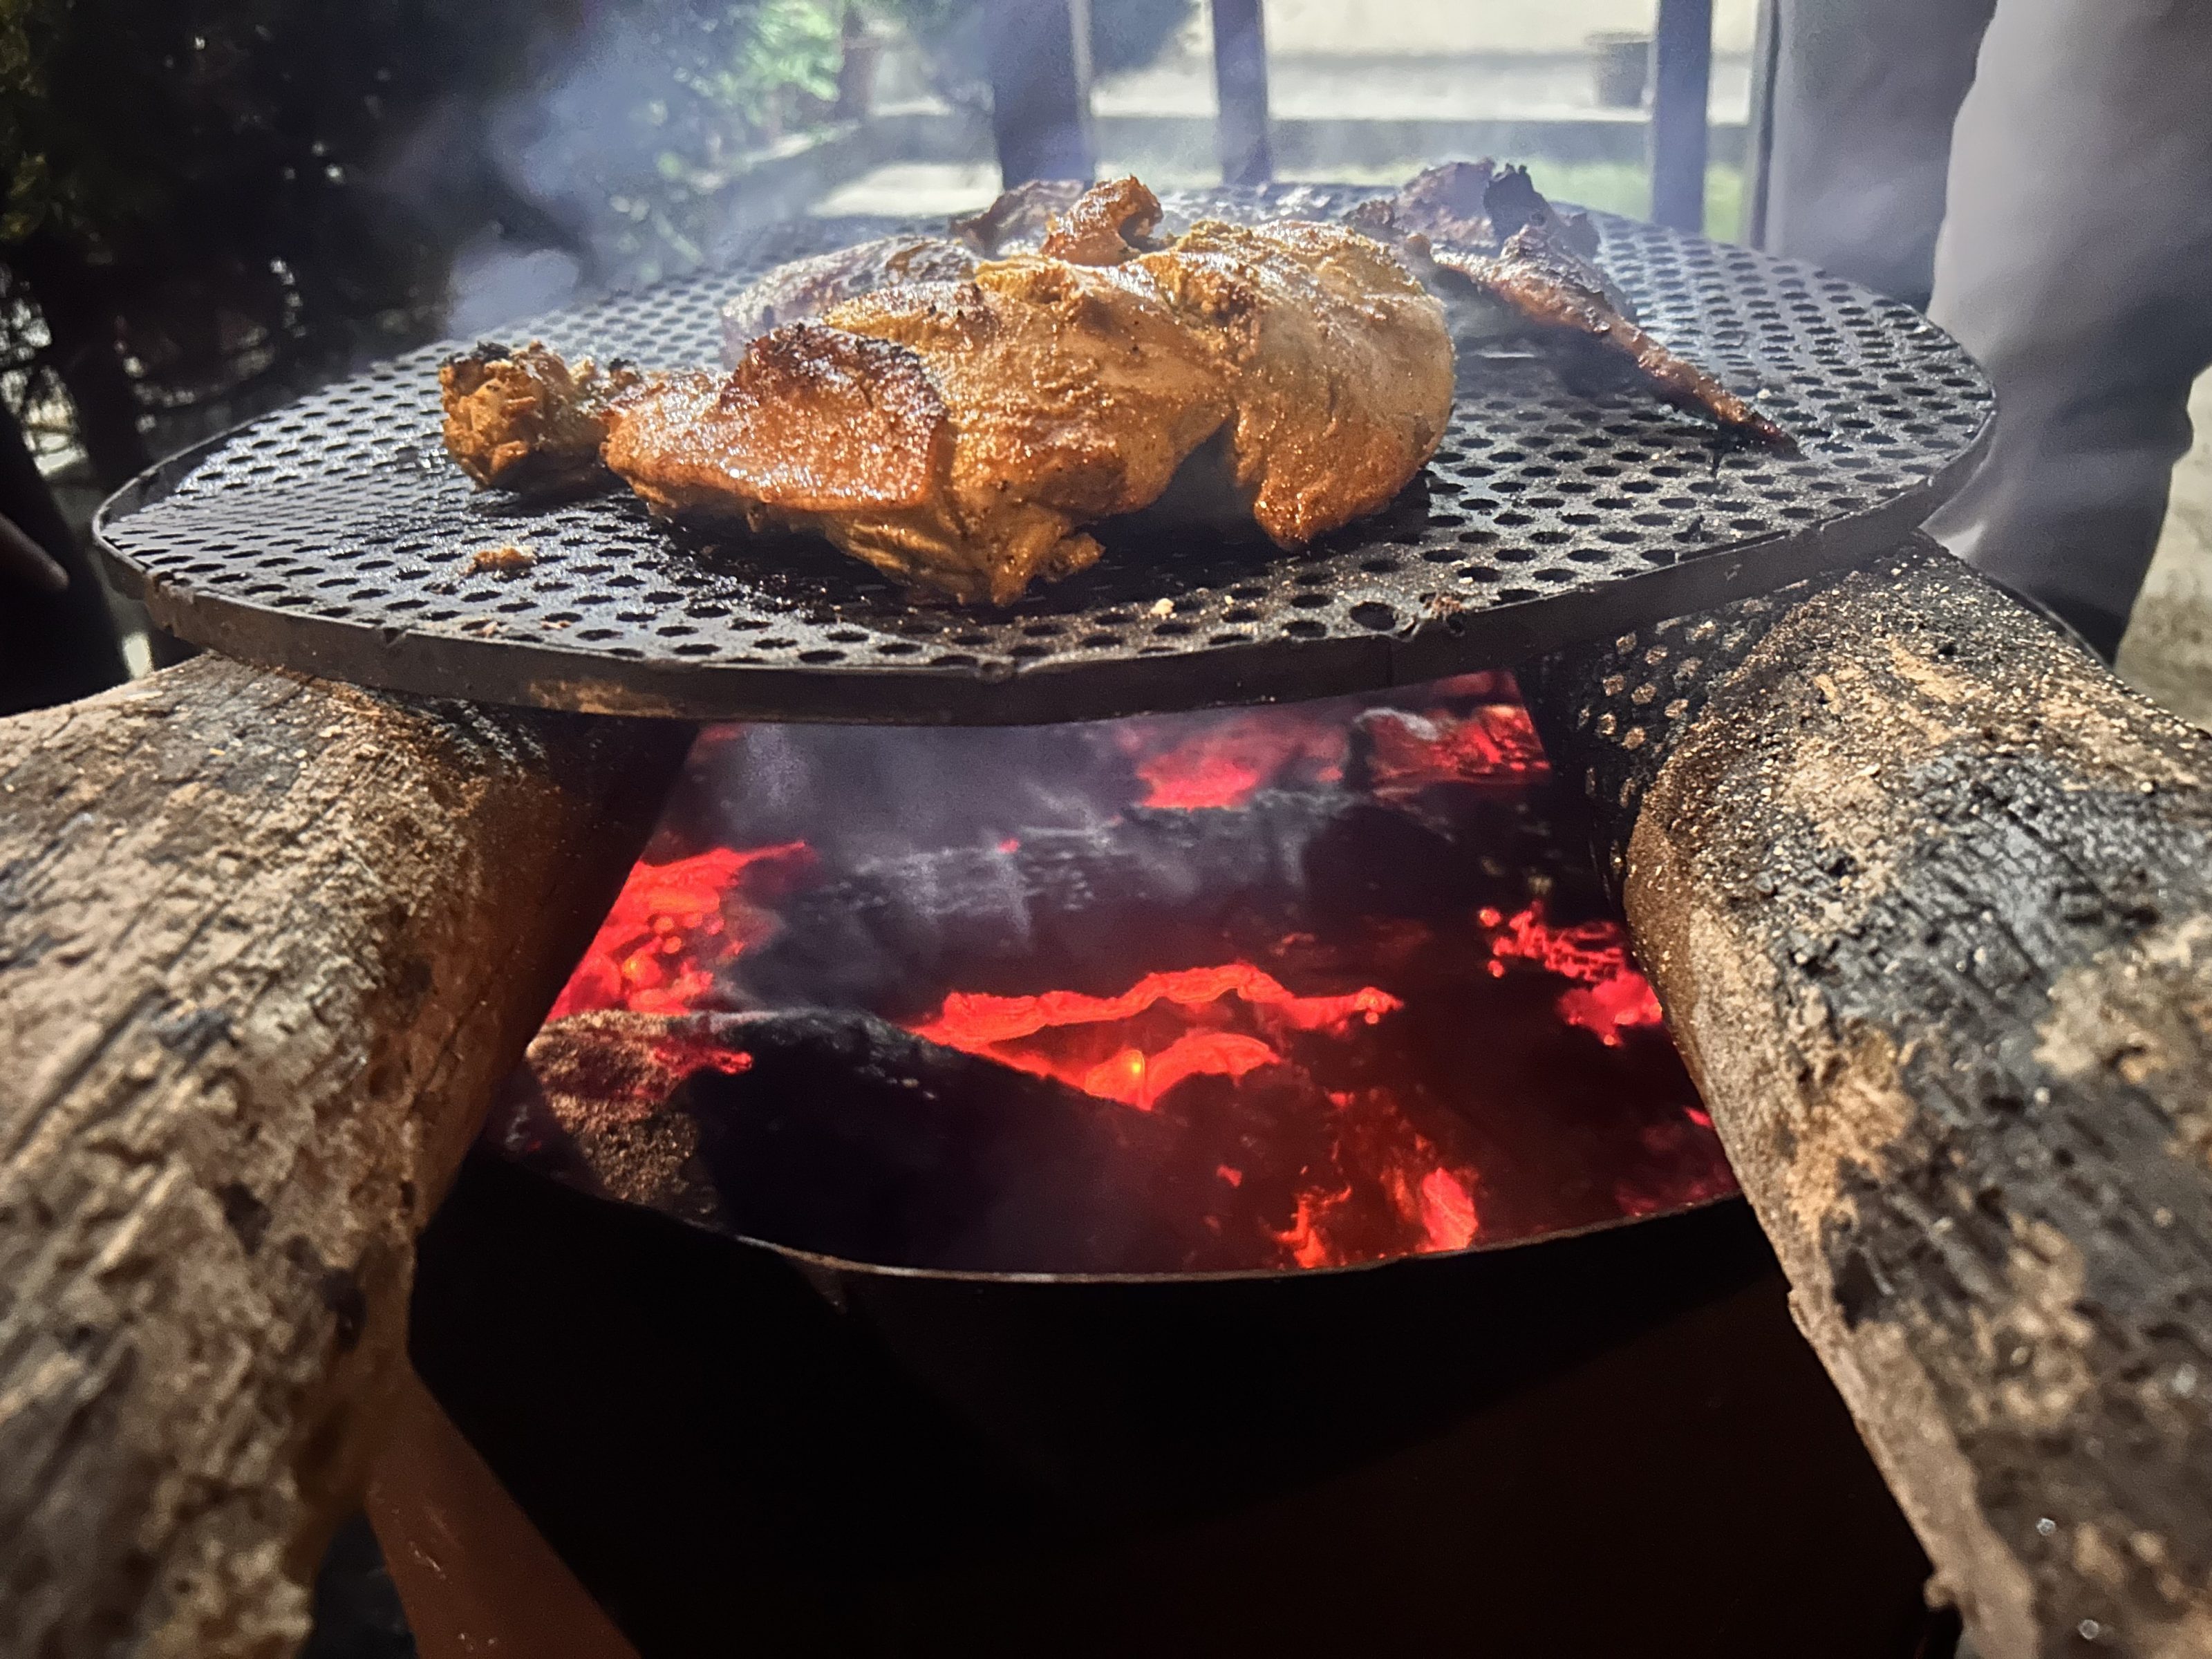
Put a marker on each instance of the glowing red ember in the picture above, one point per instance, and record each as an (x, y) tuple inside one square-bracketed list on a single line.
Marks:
[(671, 927), (1447, 1210), (1609, 995), (1327, 1146), (1371, 1185), (996, 1027), (1494, 743), (1231, 759)]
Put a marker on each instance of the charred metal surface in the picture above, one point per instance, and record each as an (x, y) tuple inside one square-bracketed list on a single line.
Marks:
[(334, 536), (1925, 892)]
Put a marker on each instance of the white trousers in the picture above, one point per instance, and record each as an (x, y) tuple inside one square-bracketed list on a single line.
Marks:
[(2075, 258)]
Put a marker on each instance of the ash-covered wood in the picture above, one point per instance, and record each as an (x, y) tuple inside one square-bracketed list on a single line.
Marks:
[(266, 946), (1927, 894), (1089, 909), (833, 1131)]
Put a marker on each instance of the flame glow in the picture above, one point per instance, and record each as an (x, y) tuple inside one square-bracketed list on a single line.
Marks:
[(1355, 1124), (1493, 743), (1610, 996), (1378, 1187), (671, 927), (995, 1027), (1230, 760)]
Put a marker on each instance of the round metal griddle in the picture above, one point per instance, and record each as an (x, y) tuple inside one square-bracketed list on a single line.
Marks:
[(334, 535)]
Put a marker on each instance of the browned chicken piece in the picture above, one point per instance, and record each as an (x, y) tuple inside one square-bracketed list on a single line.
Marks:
[(814, 420), (526, 419), (961, 435), (1342, 359), (1016, 223), (807, 287), (1109, 224), (1073, 394)]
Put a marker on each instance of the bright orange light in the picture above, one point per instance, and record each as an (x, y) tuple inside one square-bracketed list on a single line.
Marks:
[(1609, 996), (672, 926), (1235, 756)]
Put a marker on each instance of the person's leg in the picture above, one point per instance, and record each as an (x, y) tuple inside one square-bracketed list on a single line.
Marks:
[(2076, 264), (1864, 94)]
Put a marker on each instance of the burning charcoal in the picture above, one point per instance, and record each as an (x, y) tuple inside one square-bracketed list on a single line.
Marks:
[(841, 1134), (1090, 908), (1262, 989)]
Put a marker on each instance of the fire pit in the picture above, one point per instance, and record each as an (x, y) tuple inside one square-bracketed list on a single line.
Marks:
[(1828, 813), (1257, 991), (1015, 1091)]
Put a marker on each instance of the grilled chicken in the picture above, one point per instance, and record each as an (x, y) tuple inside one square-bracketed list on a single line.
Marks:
[(1343, 365), (960, 434), (1471, 206), (526, 420), (1521, 270), (1509, 266), (1017, 223), (807, 287)]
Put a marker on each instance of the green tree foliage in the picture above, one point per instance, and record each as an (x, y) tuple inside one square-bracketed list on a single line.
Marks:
[(210, 170), (231, 198)]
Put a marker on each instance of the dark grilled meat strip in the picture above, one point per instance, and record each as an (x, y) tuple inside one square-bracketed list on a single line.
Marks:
[(1521, 270), (807, 287), (1513, 203), (1019, 221), (1550, 292), (1443, 203)]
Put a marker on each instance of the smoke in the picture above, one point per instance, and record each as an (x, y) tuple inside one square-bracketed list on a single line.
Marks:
[(493, 282)]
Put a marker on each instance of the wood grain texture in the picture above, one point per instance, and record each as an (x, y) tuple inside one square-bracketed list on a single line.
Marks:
[(266, 946), (1927, 895)]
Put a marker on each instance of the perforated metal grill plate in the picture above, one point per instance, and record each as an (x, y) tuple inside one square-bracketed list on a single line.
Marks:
[(334, 535)]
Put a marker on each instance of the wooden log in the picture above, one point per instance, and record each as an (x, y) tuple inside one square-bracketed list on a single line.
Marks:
[(266, 946), (1927, 895)]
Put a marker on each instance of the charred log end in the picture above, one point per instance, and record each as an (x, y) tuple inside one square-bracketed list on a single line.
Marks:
[(266, 946), (1924, 893)]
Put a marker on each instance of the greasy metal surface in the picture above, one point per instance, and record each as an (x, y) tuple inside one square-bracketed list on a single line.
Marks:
[(334, 535)]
